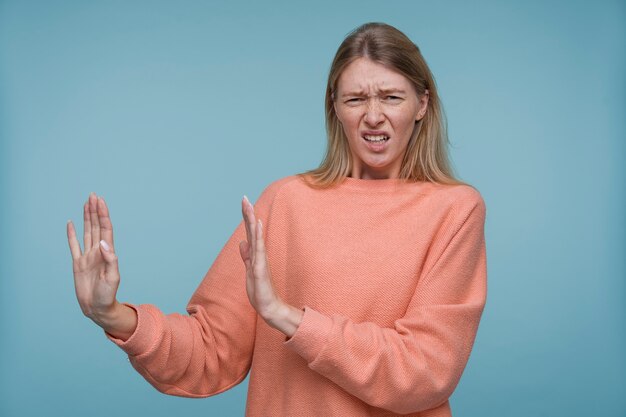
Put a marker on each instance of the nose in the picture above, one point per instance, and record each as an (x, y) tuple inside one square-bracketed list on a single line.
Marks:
[(373, 114)]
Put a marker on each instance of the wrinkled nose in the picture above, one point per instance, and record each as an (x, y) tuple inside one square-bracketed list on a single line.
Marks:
[(373, 114)]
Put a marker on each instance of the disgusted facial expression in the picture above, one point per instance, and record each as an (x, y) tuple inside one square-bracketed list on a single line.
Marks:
[(378, 109)]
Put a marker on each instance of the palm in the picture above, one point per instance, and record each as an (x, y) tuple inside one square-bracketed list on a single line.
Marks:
[(96, 278), (261, 292), (93, 281)]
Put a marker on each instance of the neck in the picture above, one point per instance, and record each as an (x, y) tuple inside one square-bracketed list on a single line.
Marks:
[(373, 175)]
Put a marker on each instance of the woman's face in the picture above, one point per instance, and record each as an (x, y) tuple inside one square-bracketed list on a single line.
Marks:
[(377, 108)]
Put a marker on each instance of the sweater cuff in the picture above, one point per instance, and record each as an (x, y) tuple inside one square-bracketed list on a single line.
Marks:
[(311, 335), (143, 337)]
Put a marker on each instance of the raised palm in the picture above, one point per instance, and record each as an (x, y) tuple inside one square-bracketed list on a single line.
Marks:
[(96, 272)]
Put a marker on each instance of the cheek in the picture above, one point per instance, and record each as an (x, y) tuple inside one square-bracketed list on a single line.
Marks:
[(347, 119), (404, 121)]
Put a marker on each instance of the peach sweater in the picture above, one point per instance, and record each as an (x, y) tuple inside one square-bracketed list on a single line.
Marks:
[(392, 278)]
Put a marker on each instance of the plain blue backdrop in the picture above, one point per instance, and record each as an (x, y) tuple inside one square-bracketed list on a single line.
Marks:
[(173, 110)]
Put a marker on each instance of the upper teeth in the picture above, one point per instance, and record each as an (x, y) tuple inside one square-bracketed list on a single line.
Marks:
[(375, 137)]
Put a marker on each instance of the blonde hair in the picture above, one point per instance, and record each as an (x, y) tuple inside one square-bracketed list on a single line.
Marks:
[(426, 157)]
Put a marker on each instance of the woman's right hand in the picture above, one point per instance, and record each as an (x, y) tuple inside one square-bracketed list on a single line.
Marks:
[(96, 273)]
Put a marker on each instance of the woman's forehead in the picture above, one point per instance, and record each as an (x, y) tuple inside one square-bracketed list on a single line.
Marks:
[(366, 77)]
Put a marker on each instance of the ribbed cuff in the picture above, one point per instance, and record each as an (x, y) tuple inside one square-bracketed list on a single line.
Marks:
[(144, 335), (311, 335)]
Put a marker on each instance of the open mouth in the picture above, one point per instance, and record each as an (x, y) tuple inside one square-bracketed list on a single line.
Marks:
[(376, 138)]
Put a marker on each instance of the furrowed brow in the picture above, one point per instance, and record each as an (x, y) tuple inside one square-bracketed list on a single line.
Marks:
[(385, 91), (353, 93), (392, 91)]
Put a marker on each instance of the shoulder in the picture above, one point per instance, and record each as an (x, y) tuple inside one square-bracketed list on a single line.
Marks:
[(460, 202), (466, 195), (277, 187)]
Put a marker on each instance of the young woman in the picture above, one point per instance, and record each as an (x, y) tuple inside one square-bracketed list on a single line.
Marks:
[(354, 289)]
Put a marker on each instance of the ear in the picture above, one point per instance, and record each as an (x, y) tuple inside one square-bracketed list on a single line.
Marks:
[(422, 106)]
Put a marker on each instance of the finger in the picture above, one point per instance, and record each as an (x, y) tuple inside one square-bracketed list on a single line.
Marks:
[(250, 228), (86, 227), (95, 223), (253, 234), (244, 250), (244, 213), (260, 242), (73, 242), (109, 256), (106, 227)]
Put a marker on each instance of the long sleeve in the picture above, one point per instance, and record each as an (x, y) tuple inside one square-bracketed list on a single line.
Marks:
[(416, 364), (209, 350)]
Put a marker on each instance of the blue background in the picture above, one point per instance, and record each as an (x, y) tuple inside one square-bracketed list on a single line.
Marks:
[(173, 112)]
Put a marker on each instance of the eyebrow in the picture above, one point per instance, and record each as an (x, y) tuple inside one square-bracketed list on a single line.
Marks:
[(382, 90)]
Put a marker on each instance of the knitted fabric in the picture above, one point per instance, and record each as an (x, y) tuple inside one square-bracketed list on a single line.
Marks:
[(392, 278)]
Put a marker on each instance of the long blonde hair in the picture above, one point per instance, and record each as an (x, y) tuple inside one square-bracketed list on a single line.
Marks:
[(426, 157)]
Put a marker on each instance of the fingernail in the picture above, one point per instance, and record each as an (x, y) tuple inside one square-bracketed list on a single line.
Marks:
[(104, 245), (246, 198)]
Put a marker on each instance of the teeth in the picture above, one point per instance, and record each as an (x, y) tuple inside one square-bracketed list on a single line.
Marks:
[(375, 138)]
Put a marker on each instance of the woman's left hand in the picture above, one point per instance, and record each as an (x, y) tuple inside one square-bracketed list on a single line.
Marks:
[(261, 293)]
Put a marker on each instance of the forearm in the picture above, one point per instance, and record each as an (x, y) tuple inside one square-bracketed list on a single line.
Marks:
[(410, 367), (120, 322), (192, 355)]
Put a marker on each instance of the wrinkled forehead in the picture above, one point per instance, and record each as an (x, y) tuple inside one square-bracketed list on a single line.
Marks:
[(364, 76)]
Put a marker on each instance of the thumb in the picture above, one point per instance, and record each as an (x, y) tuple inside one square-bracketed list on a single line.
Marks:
[(244, 251), (107, 253)]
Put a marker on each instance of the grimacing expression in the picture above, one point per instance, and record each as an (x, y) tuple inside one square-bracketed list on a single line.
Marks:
[(378, 109)]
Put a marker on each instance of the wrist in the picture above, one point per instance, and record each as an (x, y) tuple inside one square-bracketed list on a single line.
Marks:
[(285, 318), (104, 317), (120, 320)]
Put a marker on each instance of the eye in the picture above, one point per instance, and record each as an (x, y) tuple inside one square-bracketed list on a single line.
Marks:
[(354, 100), (393, 99)]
